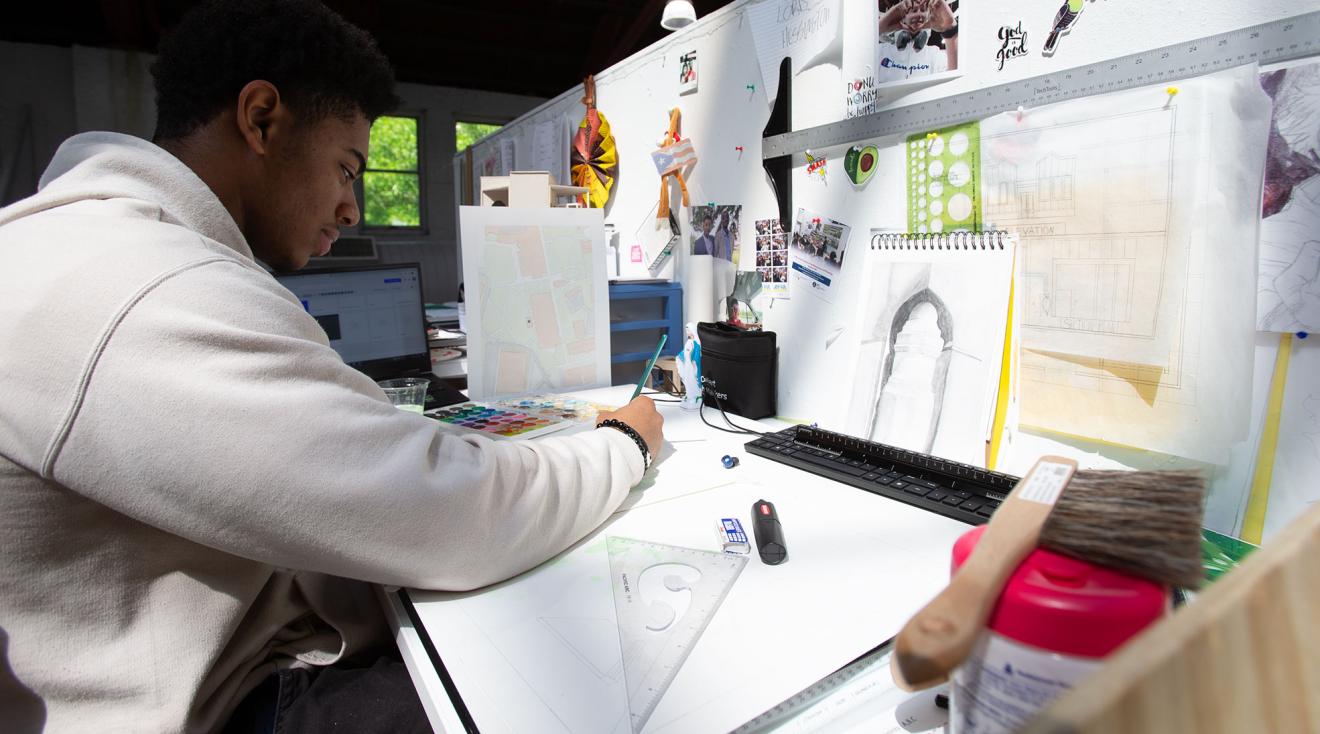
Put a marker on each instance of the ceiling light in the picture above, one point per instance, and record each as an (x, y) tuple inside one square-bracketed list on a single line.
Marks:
[(678, 14)]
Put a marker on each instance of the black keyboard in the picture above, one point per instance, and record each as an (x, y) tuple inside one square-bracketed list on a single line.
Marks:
[(955, 490)]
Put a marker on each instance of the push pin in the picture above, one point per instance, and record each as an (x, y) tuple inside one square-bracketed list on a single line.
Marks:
[(1302, 334), (932, 135), (729, 461), (738, 148), (1172, 91), (751, 88), (1020, 112), (815, 220), (675, 136)]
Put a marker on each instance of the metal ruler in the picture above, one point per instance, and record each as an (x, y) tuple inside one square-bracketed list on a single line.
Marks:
[(876, 661), (1281, 40)]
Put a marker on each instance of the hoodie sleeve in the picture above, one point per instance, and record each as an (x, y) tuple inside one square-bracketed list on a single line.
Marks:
[(216, 410)]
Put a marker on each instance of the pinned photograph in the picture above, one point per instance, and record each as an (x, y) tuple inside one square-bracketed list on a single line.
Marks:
[(772, 257), (816, 251), (715, 231), (687, 72), (916, 38)]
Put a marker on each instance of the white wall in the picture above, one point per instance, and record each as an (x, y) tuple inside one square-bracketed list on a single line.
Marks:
[(636, 94), (70, 90)]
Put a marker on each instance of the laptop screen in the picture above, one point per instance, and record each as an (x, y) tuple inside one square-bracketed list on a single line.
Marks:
[(373, 315)]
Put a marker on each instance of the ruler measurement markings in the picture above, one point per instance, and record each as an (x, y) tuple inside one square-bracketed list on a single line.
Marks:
[(1299, 38)]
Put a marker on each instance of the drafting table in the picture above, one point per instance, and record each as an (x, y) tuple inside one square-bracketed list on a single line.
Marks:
[(523, 655)]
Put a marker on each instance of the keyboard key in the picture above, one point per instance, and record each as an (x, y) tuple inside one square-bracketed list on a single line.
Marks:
[(884, 479), (951, 500), (969, 505), (917, 489), (937, 495), (985, 511), (898, 484), (870, 477)]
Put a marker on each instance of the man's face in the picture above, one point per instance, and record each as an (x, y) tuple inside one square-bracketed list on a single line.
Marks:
[(705, 225), (307, 191)]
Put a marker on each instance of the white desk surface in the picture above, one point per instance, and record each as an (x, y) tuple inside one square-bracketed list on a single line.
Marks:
[(859, 565)]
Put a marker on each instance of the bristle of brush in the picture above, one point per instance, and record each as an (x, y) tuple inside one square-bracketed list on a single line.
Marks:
[(1147, 523)]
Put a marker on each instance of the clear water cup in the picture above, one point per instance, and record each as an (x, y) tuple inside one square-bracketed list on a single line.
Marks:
[(406, 393)]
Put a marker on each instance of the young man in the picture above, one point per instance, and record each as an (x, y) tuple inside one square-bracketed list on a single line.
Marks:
[(190, 475), (704, 244)]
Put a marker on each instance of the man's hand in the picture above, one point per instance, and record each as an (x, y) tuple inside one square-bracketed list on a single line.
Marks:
[(642, 416)]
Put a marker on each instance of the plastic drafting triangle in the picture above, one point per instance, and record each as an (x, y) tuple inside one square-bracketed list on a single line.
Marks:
[(664, 596)]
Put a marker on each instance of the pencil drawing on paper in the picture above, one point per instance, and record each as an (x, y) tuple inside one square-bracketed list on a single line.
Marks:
[(922, 380), (907, 413), (1288, 286), (1091, 201)]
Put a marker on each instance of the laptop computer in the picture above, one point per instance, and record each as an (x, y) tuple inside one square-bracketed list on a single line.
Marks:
[(375, 318)]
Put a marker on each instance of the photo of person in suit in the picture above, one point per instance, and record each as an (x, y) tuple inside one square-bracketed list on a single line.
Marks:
[(715, 230)]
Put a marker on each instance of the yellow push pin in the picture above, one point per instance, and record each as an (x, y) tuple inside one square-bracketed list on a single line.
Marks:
[(1172, 91), (932, 136)]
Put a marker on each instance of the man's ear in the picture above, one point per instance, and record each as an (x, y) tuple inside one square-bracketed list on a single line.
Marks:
[(260, 115)]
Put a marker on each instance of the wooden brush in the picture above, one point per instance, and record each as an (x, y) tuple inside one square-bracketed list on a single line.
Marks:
[(1144, 523)]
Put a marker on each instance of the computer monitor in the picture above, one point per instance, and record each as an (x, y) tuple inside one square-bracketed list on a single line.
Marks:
[(374, 315)]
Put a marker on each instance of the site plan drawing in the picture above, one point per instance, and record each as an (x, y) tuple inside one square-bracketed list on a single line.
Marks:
[(538, 313)]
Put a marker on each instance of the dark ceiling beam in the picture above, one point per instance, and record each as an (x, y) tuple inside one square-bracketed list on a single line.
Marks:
[(627, 41)]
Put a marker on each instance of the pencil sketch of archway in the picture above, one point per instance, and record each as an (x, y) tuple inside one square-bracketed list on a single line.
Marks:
[(911, 394)]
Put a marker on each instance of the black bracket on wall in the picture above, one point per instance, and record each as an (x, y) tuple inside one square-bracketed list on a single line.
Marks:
[(780, 169)]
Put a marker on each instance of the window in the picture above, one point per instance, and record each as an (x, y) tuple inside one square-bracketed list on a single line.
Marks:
[(392, 183), (467, 133)]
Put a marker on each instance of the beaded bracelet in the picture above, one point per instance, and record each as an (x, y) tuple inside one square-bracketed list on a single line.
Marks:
[(632, 433)]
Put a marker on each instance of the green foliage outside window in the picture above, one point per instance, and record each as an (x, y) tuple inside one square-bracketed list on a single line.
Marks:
[(467, 133), (391, 186)]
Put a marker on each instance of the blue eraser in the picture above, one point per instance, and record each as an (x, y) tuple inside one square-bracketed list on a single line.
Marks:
[(732, 537)]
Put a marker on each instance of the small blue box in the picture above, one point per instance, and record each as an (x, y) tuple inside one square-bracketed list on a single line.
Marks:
[(732, 537)]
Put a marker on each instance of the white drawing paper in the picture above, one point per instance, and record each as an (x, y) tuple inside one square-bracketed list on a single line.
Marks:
[(816, 254), (537, 306), (930, 345), (542, 652), (803, 30), (1195, 403), (1295, 484), (1288, 297)]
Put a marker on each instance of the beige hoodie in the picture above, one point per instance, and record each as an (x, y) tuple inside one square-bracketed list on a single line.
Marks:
[(189, 473)]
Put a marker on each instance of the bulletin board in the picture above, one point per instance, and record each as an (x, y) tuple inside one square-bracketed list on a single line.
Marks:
[(843, 70)]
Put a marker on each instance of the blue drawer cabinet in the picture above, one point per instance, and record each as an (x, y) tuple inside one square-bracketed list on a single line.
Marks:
[(639, 314)]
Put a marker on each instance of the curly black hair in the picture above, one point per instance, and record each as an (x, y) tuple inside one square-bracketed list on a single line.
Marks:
[(321, 64)]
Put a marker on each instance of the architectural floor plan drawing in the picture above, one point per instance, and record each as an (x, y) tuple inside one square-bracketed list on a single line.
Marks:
[(538, 313), (1194, 401), (1091, 192)]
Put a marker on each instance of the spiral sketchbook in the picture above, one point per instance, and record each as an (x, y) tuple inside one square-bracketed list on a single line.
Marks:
[(934, 351)]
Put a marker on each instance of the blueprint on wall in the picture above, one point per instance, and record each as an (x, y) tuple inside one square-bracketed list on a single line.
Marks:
[(1288, 291), (1194, 401), (537, 300)]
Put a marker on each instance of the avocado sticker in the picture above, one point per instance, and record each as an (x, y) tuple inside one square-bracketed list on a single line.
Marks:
[(859, 163)]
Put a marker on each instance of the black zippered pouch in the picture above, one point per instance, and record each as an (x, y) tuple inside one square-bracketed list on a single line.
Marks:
[(738, 369)]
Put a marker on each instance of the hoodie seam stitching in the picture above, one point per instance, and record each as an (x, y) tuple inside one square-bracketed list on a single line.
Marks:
[(89, 367)]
